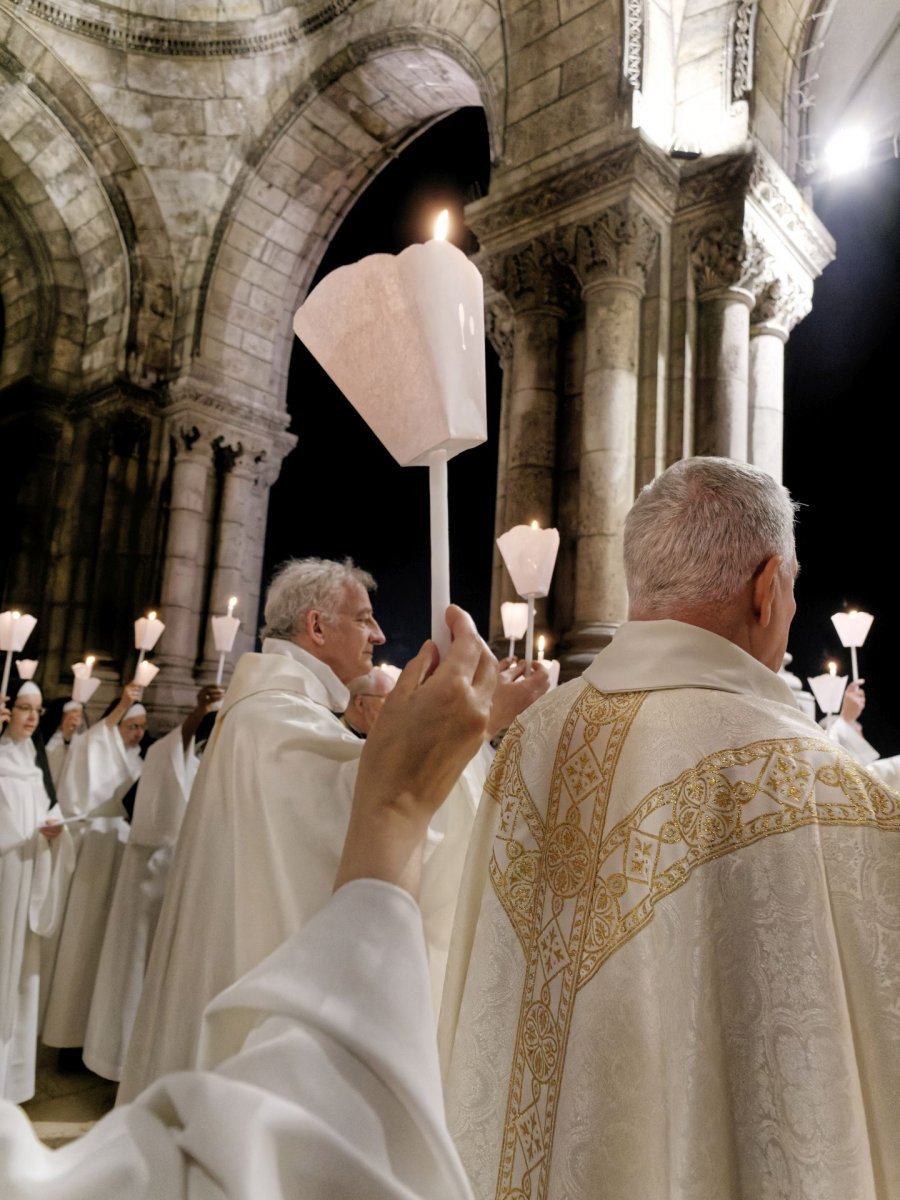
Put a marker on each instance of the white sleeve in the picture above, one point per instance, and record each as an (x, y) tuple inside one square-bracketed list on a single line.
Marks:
[(334, 1093)]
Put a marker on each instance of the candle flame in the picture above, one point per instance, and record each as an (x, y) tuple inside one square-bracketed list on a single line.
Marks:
[(151, 616), (854, 612), (231, 605), (16, 615), (534, 525), (442, 225), (832, 668), (89, 661)]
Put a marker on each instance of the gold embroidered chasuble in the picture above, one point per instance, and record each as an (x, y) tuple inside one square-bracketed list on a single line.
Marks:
[(676, 965)]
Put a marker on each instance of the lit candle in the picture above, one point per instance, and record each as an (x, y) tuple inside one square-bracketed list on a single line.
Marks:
[(15, 630), (530, 556), (147, 632), (515, 622), (542, 642), (853, 628), (224, 632), (403, 338), (828, 689)]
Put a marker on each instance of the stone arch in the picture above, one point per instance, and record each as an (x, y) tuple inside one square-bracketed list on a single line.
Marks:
[(98, 162), (27, 300), (334, 134)]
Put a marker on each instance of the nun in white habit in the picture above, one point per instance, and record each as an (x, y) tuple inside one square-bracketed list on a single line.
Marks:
[(71, 727), (162, 795), (36, 861), (104, 765)]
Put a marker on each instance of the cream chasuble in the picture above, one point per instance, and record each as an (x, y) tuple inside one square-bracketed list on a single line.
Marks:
[(260, 846), (676, 963), (332, 1093)]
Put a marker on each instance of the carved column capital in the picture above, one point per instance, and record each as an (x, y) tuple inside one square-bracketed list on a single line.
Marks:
[(619, 243), (780, 305), (225, 454), (499, 325), (533, 275), (725, 257)]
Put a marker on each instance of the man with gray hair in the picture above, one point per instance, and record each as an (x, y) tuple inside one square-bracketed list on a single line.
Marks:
[(261, 841), (675, 966)]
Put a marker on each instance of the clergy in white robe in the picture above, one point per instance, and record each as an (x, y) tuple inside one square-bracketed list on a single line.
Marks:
[(263, 832), (844, 729), (35, 867), (105, 764), (163, 790), (64, 737), (676, 961), (320, 1077)]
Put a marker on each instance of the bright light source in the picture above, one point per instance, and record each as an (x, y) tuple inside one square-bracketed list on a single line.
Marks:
[(442, 225), (847, 151)]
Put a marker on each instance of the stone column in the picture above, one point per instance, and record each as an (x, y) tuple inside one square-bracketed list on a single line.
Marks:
[(720, 258), (612, 255), (500, 329), (181, 598), (237, 470), (779, 306), (537, 289)]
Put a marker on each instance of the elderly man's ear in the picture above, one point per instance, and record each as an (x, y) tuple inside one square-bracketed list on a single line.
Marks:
[(312, 627), (765, 589)]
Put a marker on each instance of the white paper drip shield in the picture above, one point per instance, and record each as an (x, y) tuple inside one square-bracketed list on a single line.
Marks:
[(530, 556), (402, 336)]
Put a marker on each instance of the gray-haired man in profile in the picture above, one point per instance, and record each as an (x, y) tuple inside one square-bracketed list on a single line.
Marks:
[(262, 838), (675, 971)]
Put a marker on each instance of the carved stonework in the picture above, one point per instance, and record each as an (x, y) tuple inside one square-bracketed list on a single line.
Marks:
[(534, 275), (636, 163), (188, 405), (226, 455), (714, 183), (781, 303), (724, 256), (618, 243), (499, 325), (633, 58), (771, 189), (152, 35), (742, 38)]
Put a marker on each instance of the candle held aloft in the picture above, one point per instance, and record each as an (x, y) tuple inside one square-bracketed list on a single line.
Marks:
[(26, 667), (403, 338), (147, 632), (15, 630), (853, 629), (530, 556), (828, 690), (224, 632), (145, 674), (84, 687), (514, 616)]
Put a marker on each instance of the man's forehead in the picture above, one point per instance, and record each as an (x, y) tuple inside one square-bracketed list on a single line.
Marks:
[(356, 601)]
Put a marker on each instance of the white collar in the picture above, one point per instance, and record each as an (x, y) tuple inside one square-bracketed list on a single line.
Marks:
[(338, 695), (656, 655)]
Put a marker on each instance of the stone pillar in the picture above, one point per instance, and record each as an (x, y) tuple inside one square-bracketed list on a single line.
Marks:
[(500, 330), (779, 306), (538, 291), (612, 255), (183, 571), (237, 471), (720, 258)]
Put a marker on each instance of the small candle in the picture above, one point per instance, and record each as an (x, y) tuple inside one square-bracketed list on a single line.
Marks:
[(232, 603), (224, 632), (853, 629), (530, 556), (542, 642), (828, 689)]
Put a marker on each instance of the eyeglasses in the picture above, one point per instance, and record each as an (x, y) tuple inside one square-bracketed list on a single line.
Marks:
[(28, 708)]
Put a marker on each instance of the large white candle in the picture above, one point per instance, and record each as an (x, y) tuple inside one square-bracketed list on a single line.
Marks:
[(853, 629), (530, 556), (15, 630), (828, 689), (224, 632), (403, 338), (514, 616), (147, 632)]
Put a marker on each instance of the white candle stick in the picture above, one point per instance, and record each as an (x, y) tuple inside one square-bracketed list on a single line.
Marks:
[(224, 632), (529, 635), (853, 629), (828, 689), (440, 549), (15, 630), (147, 632)]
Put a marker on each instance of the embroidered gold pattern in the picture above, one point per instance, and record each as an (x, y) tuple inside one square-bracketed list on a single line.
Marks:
[(575, 892)]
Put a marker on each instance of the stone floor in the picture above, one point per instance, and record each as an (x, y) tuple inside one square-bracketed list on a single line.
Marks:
[(66, 1103)]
